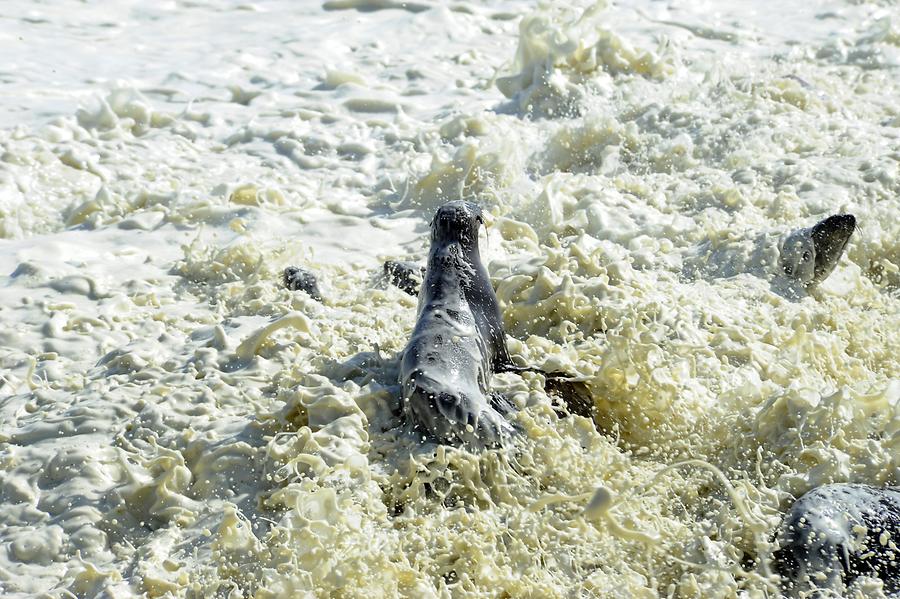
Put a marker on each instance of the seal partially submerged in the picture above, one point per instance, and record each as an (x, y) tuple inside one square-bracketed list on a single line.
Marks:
[(810, 255), (802, 259), (838, 532), (458, 341)]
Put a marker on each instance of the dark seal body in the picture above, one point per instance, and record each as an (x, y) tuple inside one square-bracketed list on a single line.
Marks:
[(836, 533), (458, 341)]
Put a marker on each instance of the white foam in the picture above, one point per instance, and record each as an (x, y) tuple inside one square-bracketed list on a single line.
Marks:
[(173, 421)]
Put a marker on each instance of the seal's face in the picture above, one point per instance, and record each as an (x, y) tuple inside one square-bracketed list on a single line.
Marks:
[(809, 255), (457, 221), (798, 257)]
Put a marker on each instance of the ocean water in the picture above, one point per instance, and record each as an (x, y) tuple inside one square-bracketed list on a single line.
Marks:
[(175, 423)]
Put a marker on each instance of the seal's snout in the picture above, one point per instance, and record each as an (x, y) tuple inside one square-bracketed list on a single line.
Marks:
[(457, 221)]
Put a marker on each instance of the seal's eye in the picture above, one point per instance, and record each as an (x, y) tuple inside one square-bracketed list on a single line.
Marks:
[(806, 256), (788, 269)]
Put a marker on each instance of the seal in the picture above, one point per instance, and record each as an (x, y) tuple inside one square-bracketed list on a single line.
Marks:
[(836, 533), (809, 255), (458, 341), (794, 262)]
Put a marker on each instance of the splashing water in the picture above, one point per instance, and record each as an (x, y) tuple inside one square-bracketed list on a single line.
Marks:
[(177, 423)]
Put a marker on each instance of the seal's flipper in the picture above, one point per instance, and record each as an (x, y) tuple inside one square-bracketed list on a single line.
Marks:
[(576, 395), (507, 366), (500, 403), (491, 430), (830, 237)]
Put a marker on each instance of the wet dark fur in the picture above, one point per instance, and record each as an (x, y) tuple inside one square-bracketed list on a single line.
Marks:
[(819, 548)]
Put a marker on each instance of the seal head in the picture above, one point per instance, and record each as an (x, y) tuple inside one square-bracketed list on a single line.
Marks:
[(457, 222), (810, 255)]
